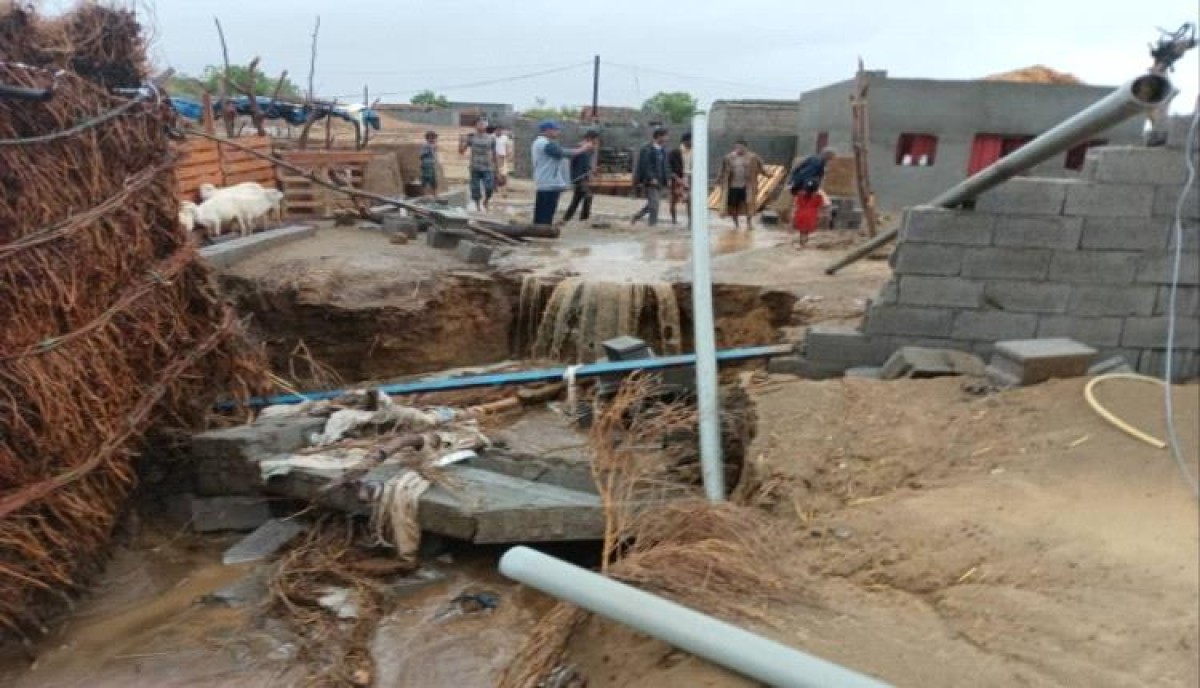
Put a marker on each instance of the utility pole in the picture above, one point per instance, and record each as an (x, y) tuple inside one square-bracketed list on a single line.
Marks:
[(596, 91)]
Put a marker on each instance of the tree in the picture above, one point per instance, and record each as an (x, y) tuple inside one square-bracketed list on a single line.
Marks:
[(541, 111), (210, 81), (430, 98), (677, 106)]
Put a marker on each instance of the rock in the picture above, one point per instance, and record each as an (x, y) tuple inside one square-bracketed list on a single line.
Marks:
[(211, 514), (244, 592), (268, 539)]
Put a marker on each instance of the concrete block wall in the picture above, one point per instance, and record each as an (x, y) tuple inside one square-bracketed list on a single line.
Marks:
[(1088, 259), (768, 126)]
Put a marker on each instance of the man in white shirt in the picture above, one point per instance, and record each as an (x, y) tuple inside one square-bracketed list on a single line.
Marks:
[(503, 150)]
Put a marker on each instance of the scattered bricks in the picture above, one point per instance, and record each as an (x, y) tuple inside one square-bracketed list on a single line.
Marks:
[(1124, 233), (1026, 196), (1150, 333), (940, 291), (1038, 232), (994, 325), (831, 344), (210, 514), (268, 539), (927, 224), (1094, 267), (1094, 331), (1006, 263), (901, 320), (1090, 199), (1090, 301), (1157, 268), (803, 367), (1027, 297), (1185, 364), (1139, 165), (1187, 302), (1032, 361), (1114, 364), (928, 259), (443, 238), (1166, 199), (474, 253)]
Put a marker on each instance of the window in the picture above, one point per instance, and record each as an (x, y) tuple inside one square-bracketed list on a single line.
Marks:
[(1076, 155), (822, 141), (916, 150), (988, 148)]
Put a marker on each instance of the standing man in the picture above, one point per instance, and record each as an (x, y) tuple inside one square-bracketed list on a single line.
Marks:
[(810, 168), (739, 177), (651, 174), (551, 164), (429, 164), (503, 155), (582, 166), (680, 162), (483, 163)]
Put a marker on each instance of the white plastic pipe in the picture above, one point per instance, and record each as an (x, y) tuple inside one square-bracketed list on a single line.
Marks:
[(750, 655), (712, 468)]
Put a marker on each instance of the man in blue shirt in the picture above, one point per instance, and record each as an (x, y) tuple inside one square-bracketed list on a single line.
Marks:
[(812, 167), (650, 173), (581, 177), (551, 170)]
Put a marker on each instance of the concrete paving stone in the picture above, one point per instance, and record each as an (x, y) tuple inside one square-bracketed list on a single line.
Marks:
[(1139, 165), (993, 325), (1092, 199), (1124, 233), (1026, 196), (1006, 263), (1095, 332), (268, 539), (1045, 231), (1158, 268), (928, 259), (919, 290), (1093, 301), (1026, 297), (1166, 200), (1187, 301), (1094, 267), (1035, 360), (909, 320), (211, 514), (1151, 333), (927, 224)]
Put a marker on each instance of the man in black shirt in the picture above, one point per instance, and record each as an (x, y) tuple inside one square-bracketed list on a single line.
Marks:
[(582, 166), (651, 174)]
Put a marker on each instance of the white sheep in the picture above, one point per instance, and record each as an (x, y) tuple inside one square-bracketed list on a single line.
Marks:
[(253, 190), (187, 215)]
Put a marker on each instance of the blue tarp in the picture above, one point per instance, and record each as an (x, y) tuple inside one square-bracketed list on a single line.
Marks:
[(290, 112)]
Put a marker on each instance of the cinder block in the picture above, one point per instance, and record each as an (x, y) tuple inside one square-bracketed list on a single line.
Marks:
[(1139, 165), (932, 225), (1124, 233), (940, 291), (909, 320), (1027, 297), (832, 344), (1094, 267), (993, 325), (1092, 199), (1185, 364), (803, 367), (1026, 196), (455, 199), (1166, 199), (1006, 263), (1190, 232), (1032, 361), (1187, 302), (399, 224), (1038, 232), (928, 259), (1150, 333), (1089, 301), (890, 293), (920, 363), (473, 253), (445, 238), (1157, 268), (1093, 331), (1112, 364), (211, 514)]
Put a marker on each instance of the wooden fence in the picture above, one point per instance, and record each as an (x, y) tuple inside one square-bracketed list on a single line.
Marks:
[(206, 161), (303, 198)]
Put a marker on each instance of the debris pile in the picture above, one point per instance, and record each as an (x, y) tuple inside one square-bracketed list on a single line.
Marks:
[(1035, 74), (112, 329)]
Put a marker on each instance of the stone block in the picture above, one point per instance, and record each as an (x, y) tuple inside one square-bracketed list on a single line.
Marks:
[(268, 539), (473, 253), (400, 225), (1006, 263), (1158, 268), (1151, 333), (1093, 331), (1187, 302), (993, 325), (890, 293), (1190, 232), (211, 514), (1094, 267), (1166, 200), (233, 251), (1027, 297), (1113, 364), (805, 368), (1032, 361), (908, 320), (1139, 165), (940, 291), (920, 363), (1185, 364), (927, 224), (1092, 199), (455, 199), (832, 344), (1045, 231), (864, 372), (1124, 233), (1026, 196), (446, 238), (928, 259), (1093, 301)]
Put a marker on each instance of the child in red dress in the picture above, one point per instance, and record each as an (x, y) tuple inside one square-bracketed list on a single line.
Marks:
[(807, 203)]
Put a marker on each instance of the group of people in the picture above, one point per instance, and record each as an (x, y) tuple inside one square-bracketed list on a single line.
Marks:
[(557, 168)]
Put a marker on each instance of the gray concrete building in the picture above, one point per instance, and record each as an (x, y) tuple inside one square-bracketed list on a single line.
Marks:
[(927, 135), (768, 126)]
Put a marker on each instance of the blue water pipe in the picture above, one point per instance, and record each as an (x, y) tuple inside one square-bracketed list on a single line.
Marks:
[(527, 377)]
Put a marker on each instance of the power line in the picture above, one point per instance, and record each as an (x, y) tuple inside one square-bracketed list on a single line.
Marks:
[(478, 84), (737, 84)]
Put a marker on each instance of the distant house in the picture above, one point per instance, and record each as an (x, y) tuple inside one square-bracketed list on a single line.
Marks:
[(466, 113), (927, 135)]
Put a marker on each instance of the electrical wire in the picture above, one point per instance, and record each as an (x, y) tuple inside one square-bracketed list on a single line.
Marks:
[(478, 84), (1172, 436), (737, 84)]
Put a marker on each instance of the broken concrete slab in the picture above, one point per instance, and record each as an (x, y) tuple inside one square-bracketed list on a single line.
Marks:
[(1030, 361), (918, 363), (212, 514), (268, 539), (244, 592)]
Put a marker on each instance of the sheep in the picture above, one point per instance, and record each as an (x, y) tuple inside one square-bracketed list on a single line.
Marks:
[(187, 215), (208, 190), (249, 189)]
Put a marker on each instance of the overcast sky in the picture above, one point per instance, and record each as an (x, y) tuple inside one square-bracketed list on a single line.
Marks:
[(713, 49)]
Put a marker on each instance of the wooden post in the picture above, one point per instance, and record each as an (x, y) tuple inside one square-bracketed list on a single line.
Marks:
[(206, 118), (228, 114), (862, 141)]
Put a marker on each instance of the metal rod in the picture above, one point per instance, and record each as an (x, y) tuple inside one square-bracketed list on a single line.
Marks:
[(750, 655), (708, 404), (596, 92), (526, 377), (1136, 97)]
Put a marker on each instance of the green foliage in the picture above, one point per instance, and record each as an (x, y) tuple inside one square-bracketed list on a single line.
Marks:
[(541, 111), (677, 106), (430, 98), (210, 81)]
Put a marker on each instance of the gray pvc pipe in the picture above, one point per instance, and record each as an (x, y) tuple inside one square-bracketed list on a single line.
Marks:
[(712, 468), (1138, 96), (750, 655)]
